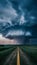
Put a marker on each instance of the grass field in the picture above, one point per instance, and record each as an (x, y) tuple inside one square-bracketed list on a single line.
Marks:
[(29, 51)]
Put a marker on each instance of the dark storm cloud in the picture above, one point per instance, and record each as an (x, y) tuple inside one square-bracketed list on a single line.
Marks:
[(17, 14), (27, 11)]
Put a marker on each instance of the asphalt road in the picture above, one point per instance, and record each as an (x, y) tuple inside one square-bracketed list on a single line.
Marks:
[(18, 55)]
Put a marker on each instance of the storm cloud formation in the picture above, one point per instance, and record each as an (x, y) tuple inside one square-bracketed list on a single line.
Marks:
[(18, 17)]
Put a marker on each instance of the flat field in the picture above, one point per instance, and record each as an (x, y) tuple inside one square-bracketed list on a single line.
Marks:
[(28, 55)]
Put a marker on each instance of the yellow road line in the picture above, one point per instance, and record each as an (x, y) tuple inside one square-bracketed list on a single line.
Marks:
[(18, 57)]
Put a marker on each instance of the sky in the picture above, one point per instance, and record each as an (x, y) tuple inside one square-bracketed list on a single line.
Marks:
[(18, 17)]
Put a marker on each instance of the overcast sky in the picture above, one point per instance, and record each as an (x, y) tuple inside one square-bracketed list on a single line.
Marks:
[(18, 17)]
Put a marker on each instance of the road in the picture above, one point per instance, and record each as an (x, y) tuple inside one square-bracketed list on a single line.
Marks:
[(16, 56)]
